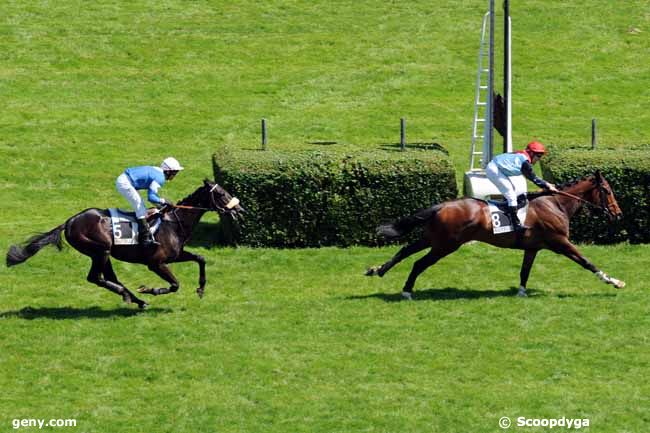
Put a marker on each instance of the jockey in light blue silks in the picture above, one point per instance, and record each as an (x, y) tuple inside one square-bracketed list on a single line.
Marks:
[(514, 164), (149, 178)]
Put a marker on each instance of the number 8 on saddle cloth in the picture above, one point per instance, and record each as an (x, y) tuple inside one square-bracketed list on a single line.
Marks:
[(498, 214)]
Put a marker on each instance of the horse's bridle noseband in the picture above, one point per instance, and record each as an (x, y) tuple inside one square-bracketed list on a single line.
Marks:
[(213, 202), (603, 192)]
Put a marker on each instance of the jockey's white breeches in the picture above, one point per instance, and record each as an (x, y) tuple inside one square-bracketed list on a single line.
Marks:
[(124, 187), (503, 183)]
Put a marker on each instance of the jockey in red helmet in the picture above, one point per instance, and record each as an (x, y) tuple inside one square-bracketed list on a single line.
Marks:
[(535, 147), (515, 164)]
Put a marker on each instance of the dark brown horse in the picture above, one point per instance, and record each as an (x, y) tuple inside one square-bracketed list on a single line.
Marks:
[(90, 233), (449, 225)]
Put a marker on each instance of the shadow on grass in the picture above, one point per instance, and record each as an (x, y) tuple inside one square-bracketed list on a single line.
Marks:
[(452, 293), (66, 313), (585, 295), (421, 146), (448, 294)]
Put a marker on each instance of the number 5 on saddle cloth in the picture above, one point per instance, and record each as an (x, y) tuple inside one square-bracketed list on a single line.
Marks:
[(124, 227)]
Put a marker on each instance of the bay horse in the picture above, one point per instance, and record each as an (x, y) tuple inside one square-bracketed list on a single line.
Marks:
[(449, 225), (90, 233)]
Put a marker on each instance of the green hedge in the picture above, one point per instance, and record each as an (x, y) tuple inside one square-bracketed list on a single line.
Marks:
[(315, 198), (628, 173)]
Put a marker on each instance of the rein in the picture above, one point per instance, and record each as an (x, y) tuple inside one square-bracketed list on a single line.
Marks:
[(182, 206), (231, 204), (575, 197), (603, 206), (180, 224)]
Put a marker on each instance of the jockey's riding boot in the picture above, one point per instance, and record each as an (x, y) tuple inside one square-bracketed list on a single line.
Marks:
[(516, 224), (144, 233)]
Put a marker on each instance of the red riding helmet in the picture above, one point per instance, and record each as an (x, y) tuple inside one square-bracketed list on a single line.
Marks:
[(535, 147)]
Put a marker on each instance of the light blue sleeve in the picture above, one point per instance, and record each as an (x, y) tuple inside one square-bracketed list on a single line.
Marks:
[(154, 186)]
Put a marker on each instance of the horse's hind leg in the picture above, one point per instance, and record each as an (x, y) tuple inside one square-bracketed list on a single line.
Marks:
[(109, 273), (403, 253), (421, 265), (96, 276), (110, 277)]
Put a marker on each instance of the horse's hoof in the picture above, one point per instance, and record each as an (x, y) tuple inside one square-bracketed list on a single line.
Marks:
[(146, 290), (373, 271), (200, 292), (522, 293), (143, 305), (619, 284), (407, 296)]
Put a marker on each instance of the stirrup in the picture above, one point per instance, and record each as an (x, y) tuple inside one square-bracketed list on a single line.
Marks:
[(147, 240), (516, 223), (519, 227)]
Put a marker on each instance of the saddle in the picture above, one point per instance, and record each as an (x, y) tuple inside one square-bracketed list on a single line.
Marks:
[(124, 225), (498, 214)]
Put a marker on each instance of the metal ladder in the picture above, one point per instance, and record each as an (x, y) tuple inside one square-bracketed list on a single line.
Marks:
[(481, 103)]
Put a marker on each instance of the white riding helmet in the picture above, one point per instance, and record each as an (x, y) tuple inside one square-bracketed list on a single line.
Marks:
[(171, 164)]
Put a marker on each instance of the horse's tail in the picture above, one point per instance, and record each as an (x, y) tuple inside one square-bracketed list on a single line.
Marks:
[(19, 253), (405, 225)]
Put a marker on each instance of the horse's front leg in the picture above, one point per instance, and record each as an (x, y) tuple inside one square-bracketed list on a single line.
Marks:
[(569, 250), (163, 272), (186, 256), (529, 258)]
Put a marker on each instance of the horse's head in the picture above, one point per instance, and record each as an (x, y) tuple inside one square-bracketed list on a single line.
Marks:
[(220, 200), (603, 196)]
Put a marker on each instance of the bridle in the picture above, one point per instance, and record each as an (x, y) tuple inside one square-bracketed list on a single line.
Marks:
[(603, 193), (213, 203), (172, 209)]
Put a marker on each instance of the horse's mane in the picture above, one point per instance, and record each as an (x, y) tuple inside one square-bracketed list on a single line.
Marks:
[(572, 182), (561, 187), (192, 198)]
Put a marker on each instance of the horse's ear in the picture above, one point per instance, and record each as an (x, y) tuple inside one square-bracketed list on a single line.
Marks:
[(206, 182), (599, 176)]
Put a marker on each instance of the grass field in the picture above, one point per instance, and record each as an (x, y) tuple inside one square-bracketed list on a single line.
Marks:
[(299, 340)]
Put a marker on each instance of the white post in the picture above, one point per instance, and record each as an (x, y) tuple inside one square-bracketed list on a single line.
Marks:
[(488, 138), (508, 92)]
